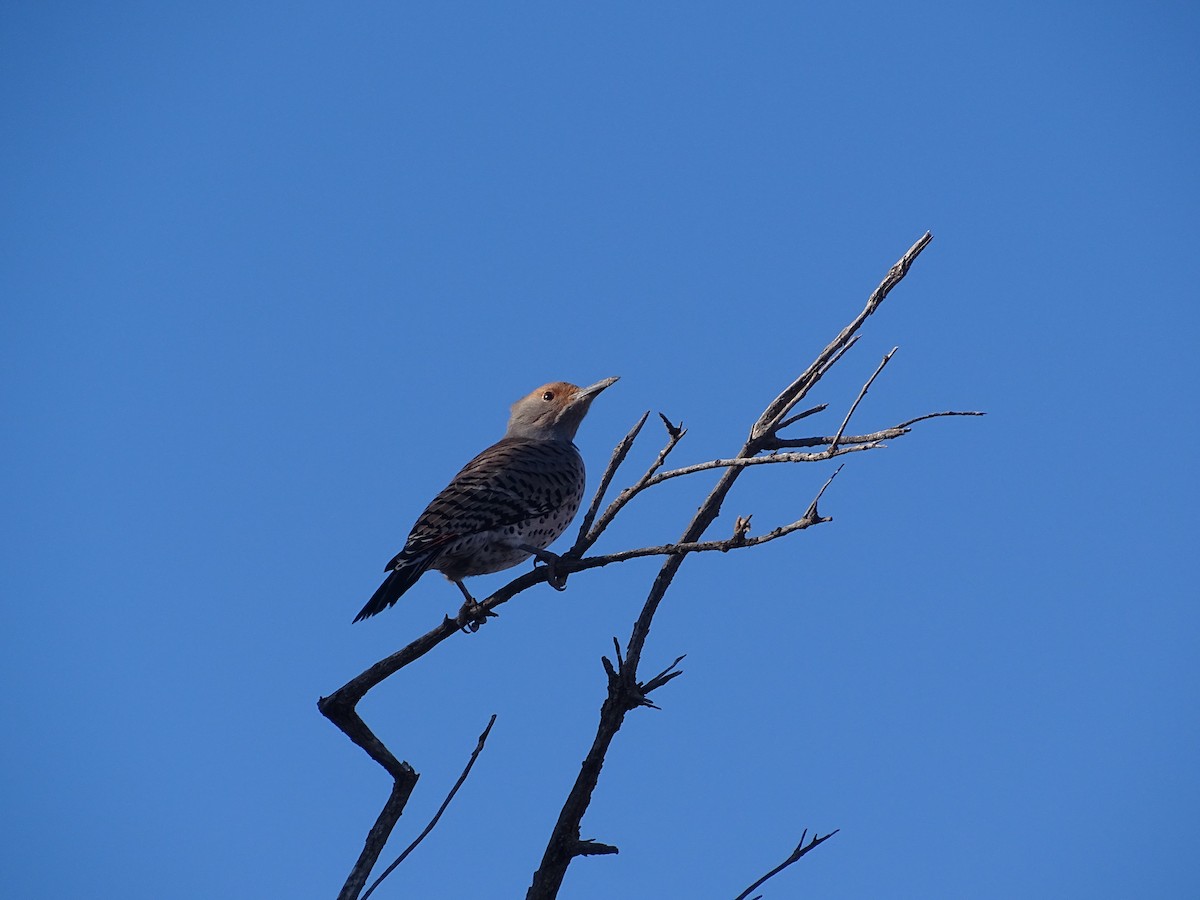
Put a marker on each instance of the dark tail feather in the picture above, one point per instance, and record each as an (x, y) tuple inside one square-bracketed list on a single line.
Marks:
[(398, 580)]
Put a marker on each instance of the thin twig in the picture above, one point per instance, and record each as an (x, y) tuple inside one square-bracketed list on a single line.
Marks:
[(667, 675), (836, 358), (811, 513), (800, 851), (812, 411), (851, 445), (685, 547), (675, 434), (773, 442), (614, 462), (857, 400), (441, 809), (935, 415)]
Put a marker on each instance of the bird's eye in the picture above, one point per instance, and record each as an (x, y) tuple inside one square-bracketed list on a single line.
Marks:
[(549, 395)]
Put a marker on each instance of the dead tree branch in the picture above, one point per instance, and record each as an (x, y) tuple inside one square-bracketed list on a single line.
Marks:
[(618, 456), (441, 809), (769, 421), (857, 400), (801, 849), (625, 691), (588, 535)]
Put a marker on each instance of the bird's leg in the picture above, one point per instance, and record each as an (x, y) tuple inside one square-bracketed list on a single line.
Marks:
[(467, 594), (473, 614), (556, 579)]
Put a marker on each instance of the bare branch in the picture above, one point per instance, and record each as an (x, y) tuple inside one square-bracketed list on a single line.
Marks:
[(377, 837), (741, 528), (618, 456), (857, 400), (625, 692), (851, 444), (769, 421), (935, 415), (811, 513), (684, 548), (441, 809), (341, 706), (666, 675), (675, 434), (737, 541), (812, 411), (836, 358), (560, 848), (675, 431), (588, 847), (773, 442), (800, 851)]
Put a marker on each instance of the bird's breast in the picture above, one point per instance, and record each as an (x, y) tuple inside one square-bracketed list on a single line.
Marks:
[(550, 498)]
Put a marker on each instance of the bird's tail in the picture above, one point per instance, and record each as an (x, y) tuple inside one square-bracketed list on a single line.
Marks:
[(402, 575)]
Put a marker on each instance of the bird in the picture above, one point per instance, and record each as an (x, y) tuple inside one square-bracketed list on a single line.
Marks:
[(507, 504)]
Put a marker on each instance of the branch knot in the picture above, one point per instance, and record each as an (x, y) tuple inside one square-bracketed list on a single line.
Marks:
[(625, 690)]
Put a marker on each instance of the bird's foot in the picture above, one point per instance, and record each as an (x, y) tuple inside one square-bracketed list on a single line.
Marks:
[(555, 577), (472, 614)]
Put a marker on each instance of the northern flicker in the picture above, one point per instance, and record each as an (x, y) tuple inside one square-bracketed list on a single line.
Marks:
[(507, 504)]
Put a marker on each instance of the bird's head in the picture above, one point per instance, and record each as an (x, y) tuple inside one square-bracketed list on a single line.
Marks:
[(553, 411)]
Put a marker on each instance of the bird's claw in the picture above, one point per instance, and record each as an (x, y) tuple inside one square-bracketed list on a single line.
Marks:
[(473, 615), (551, 561), (555, 579)]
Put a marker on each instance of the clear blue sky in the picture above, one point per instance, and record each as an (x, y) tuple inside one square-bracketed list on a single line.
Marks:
[(272, 272)]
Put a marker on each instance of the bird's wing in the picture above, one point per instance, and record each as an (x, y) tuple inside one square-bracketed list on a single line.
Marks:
[(510, 482)]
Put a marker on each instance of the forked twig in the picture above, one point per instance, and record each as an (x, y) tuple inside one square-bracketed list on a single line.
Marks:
[(769, 421), (618, 456), (800, 851), (675, 434), (833, 445)]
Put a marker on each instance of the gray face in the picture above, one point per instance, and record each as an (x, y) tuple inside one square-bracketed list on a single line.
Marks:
[(553, 411)]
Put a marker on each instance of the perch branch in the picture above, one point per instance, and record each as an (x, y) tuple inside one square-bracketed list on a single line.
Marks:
[(341, 706), (625, 691)]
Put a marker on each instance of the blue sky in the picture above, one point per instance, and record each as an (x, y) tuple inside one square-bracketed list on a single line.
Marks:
[(272, 273)]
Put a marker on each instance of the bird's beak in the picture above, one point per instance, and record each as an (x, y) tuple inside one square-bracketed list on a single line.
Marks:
[(588, 393)]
